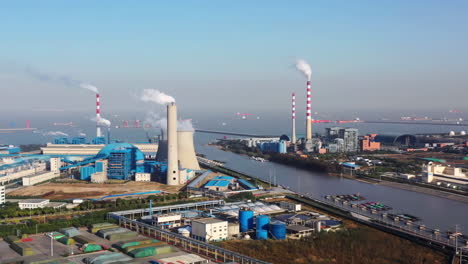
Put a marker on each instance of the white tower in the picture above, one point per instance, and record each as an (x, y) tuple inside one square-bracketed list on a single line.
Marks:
[(172, 155)]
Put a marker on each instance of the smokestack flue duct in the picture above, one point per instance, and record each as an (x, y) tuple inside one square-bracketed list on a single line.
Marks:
[(308, 115), (161, 155), (186, 150), (172, 155), (293, 132), (98, 116)]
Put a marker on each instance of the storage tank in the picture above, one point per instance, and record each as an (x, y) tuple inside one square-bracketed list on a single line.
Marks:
[(262, 235), (278, 230), (245, 220), (318, 226), (262, 222)]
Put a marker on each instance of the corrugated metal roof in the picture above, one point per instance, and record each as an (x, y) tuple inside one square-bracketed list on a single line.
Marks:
[(217, 183)]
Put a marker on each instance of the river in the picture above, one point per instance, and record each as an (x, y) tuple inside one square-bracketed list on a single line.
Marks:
[(436, 212)]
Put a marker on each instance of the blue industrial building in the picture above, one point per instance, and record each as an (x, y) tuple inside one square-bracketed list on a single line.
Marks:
[(273, 146), (9, 150), (85, 172), (61, 140), (78, 140)]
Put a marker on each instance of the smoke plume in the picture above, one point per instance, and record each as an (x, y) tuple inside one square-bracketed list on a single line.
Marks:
[(305, 68), (81, 134), (55, 133), (185, 125), (155, 96), (101, 121), (90, 87), (156, 121)]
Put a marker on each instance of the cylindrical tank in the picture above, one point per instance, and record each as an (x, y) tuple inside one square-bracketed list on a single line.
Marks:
[(262, 234), (278, 230), (463, 133), (452, 133), (318, 226), (262, 222), (245, 220)]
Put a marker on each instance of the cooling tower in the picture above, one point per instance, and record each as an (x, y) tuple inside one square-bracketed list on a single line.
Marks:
[(172, 156), (161, 155), (186, 150)]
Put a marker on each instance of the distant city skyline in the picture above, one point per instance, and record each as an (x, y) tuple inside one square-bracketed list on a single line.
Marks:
[(217, 56)]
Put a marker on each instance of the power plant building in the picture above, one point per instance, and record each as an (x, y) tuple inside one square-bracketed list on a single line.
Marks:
[(342, 139)]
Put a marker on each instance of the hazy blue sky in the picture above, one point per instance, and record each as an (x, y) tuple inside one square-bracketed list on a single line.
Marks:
[(236, 55)]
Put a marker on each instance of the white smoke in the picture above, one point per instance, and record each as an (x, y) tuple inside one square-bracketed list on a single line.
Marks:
[(101, 121), (155, 96), (158, 122), (81, 134), (55, 133), (305, 68), (185, 125), (90, 87)]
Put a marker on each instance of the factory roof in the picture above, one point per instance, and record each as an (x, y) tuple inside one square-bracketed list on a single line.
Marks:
[(217, 183), (34, 201), (286, 217), (223, 177), (208, 220), (247, 184), (298, 228), (350, 165)]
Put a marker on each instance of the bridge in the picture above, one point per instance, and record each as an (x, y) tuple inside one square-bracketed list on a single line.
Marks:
[(235, 133), (417, 123)]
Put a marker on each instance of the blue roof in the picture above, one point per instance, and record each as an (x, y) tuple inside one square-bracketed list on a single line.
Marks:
[(223, 177), (350, 165), (217, 183)]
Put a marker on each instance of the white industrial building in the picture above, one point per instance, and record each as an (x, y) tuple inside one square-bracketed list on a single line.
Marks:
[(440, 173), (2, 194), (166, 221), (209, 229), (142, 176), (39, 177), (33, 203), (291, 207)]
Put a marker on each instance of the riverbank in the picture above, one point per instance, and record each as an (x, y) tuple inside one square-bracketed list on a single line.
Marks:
[(434, 192)]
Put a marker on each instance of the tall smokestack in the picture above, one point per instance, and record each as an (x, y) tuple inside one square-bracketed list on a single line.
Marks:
[(293, 132), (172, 155), (98, 115), (308, 115)]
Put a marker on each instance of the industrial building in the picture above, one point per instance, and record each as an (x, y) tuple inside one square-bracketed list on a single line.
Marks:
[(209, 229), (450, 176), (33, 203), (2, 194)]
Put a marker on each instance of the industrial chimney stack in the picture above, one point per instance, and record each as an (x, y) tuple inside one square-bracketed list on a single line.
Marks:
[(98, 116), (293, 132), (172, 155), (308, 115)]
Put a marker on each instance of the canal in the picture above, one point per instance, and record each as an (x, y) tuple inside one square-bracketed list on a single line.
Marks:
[(436, 212)]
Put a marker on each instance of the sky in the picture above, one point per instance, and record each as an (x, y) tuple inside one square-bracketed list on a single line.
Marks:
[(235, 56)]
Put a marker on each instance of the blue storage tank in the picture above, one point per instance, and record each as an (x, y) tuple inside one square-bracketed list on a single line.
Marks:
[(262, 235), (278, 230), (261, 223), (246, 218)]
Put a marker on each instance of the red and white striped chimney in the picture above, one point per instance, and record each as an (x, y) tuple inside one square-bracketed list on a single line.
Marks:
[(308, 114), (293, 132), (98, 116)]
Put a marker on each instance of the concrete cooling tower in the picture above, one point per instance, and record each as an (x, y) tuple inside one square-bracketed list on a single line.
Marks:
[(186, 150)]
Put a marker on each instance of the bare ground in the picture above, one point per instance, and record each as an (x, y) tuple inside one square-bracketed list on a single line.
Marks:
[(90, 190)]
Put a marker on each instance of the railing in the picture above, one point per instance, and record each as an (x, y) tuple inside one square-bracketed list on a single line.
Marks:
[(186, 243)]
